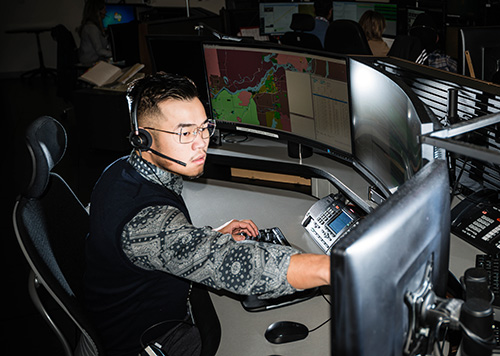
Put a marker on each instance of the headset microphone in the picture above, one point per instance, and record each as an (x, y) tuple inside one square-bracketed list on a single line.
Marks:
[(166, 157)]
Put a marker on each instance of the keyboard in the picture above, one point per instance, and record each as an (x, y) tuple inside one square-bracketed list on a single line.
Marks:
[(491, 263), (271, 235)]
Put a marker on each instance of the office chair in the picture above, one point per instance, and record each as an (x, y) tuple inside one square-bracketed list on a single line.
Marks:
[(346, 37), (298, 37), (407, 47), (51, 225)]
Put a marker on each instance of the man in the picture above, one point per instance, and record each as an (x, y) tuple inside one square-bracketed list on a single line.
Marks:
[(323, 12), (143, 252)]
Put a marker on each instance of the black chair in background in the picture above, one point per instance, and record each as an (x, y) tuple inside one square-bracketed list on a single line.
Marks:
[(51, 225), (346, 37), (67, 59), (298, 37), (407, 47)]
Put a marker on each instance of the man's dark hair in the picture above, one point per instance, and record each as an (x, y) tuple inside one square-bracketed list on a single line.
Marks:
[(153, 89), (322, 7)]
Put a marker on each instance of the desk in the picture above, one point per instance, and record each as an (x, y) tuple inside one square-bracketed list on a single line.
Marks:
[(213, 202)]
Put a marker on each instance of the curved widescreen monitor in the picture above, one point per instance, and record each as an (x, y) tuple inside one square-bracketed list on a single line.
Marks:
[(282, 93), (387, 122)]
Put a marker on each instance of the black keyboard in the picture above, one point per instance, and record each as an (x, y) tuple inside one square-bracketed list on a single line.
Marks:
[(271, 235), (491, 263)]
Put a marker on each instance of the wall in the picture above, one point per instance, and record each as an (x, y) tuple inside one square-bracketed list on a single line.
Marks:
[(19, 51)]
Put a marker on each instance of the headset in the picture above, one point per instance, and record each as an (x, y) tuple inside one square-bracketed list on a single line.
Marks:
[(141, 139)]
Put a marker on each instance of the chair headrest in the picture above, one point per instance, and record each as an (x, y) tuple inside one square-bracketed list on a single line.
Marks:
[(302, 22), (46, 143)]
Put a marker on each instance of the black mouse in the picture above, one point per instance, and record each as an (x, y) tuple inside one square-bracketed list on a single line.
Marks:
[(286, 331)]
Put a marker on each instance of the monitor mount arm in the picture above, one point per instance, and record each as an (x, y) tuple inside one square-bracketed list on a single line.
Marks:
[(426, 312)]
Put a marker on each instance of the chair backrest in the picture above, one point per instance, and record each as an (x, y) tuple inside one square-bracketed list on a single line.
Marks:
[(298, 37), (406, 47), (346, 37), (51, 225)]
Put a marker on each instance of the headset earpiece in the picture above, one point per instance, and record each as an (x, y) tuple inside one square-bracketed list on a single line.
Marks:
[(141, 140)]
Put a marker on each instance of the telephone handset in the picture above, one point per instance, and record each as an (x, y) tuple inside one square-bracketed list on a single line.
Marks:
[(476, 219), (329, 219)]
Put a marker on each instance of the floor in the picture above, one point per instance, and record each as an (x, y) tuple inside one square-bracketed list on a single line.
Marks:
[(22, 101)]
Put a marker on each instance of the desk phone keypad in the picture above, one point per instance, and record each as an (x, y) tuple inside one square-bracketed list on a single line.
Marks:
[(491, 264), (327, 215), (482, 229)]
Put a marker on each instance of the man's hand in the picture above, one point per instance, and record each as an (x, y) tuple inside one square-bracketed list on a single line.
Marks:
[(239, 227)]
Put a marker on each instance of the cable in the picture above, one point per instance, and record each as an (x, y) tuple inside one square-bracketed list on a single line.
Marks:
[(490, 344), (320, 325)]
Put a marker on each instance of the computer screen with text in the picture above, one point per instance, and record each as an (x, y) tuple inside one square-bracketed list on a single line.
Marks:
[(269, 88)]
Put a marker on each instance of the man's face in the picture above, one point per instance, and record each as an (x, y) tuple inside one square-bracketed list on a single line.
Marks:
[(178, 114)]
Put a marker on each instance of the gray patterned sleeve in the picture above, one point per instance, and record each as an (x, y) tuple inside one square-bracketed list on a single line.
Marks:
[(161, 238)]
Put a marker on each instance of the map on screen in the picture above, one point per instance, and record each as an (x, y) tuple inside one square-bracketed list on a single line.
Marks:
[(298, 93)]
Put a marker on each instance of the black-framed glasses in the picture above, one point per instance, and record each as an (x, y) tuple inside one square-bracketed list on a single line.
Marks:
[(188, 134)]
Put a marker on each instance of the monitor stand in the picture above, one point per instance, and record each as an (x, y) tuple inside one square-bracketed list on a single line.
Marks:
[(298, 150)]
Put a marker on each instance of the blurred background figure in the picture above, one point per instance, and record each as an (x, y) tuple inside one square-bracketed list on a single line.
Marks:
[(373, 24), (425, 29), (94, 44), (323, 12)]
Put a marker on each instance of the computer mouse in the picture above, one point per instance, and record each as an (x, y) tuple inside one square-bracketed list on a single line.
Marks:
[(285, 331)]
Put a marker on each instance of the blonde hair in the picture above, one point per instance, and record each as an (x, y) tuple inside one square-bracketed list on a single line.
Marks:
[(373, 24)]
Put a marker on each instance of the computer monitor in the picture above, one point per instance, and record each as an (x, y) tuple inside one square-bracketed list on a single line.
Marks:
[(477, 41), (281, 93), (387, 122), (490, 60), (118, 14), (180, 54), (395, 258), (124, 41), (275, 17), (348, 10)]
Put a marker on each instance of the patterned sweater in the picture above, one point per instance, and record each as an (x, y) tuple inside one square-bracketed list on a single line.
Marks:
[(161, 238)]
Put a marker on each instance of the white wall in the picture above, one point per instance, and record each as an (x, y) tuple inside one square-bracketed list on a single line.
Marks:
[(19, 51)]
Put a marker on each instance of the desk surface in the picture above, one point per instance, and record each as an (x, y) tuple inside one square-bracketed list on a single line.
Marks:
[(213, 202)]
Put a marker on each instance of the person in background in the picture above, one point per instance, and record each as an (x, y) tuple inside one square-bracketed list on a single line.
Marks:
[(323, 12), (425, 29), (373, 24), (94, 44)]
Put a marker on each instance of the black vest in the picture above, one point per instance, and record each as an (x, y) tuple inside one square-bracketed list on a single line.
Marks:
[(123, 299)]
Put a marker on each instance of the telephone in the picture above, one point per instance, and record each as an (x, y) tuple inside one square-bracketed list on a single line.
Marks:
[(476, 219), (329, 219)]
